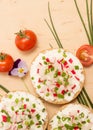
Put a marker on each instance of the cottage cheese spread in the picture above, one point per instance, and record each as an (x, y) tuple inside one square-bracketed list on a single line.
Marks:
[(72, 117), (22, 111), (57, 75)]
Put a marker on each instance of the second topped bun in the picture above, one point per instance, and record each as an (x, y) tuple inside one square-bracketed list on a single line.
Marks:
[(57, 76)]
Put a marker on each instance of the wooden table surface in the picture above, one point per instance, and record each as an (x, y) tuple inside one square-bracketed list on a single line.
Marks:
[(30, 14)]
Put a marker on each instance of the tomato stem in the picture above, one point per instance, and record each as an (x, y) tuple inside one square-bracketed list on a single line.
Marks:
[(2, 56), (21, 34)]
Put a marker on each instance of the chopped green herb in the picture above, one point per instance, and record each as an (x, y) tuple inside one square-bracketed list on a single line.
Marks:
[(16, 100), (34, 105), (10, 96), (56, 73), (59, 50), (38, 86), (37, 116), (52, 69), (20, 126), (4, 111), (45, 62), (63, 74), (40, 122), (28, 110), (66, 84), (81, 115), (12, 108), (8, 119), (68, 127), (69, 94), (60, 96), (63, 61), (47, 71), (56, 89), (22, 99), (44, 82), (83, 122), (38, 126), (43, 110), (58, 117), (63, 118), (29, 116), (27, 99), (43, 57), (32, 78), (27, 123), (47, 94), (31, 122), (76, 67), (59, 81), (64, 54)]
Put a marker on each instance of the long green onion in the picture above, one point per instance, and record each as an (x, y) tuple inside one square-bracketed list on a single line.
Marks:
[(83, 97), (89, 18), (5, 89), (52, 29)]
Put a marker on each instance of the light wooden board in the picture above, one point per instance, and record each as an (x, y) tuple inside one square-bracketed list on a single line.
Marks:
[(30, 14)]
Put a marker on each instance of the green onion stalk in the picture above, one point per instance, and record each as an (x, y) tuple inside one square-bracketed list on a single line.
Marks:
[(83, 97), (89, 30)]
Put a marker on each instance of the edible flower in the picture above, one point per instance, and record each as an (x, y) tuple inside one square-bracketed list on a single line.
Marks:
[(19, 69)]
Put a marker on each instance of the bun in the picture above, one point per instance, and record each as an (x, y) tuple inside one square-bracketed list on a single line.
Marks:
[(57, 76)]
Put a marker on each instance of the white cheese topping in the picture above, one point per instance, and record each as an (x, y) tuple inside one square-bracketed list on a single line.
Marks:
[(57, 75), (22, 111), (72, 117)]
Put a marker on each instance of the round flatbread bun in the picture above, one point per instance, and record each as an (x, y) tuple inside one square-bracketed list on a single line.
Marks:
[(22, 111), (57, 76), (72, 117)]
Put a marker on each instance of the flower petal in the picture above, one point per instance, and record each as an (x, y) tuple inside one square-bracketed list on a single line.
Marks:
[(21, 75), (23, 65), (14, 72), (16, 63)]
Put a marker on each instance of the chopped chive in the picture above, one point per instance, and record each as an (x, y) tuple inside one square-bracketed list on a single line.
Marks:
[(45, 62), (47, 94), (16, 100), (76, 67), (60, 96), (20, 126), (38, 86), (32, 78), (27, 99), (38, 116), (34, 105), (63, 74), (43, 110), (10, 96), (43, 57), (12, 108)]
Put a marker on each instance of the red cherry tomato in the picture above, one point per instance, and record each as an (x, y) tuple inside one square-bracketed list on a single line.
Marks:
[(25, 40), (6, 62), (85, 55)]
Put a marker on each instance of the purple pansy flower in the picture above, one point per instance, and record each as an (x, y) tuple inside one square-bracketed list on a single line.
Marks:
[(19, 69)]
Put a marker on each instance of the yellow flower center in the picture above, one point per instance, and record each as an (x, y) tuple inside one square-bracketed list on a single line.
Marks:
[(20, 70)]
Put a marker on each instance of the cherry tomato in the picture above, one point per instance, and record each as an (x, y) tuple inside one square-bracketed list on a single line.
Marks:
[(25, 40), (6, 62), (85, 55)]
